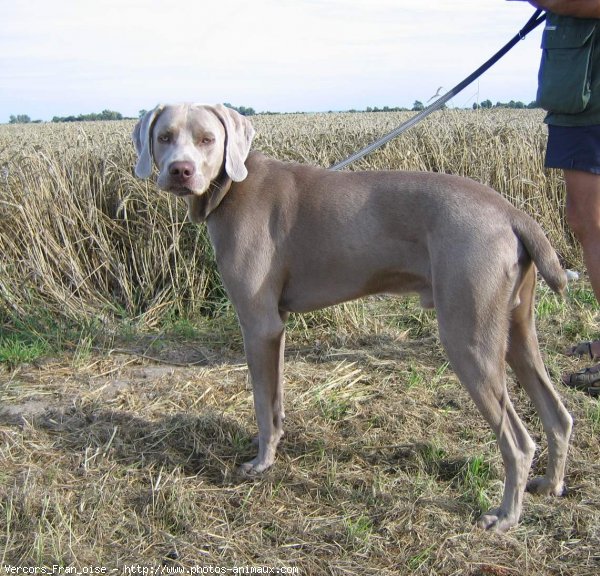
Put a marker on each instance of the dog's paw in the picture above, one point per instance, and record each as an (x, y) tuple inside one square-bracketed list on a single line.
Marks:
[(496, 520), (253, 468), (541, 485)]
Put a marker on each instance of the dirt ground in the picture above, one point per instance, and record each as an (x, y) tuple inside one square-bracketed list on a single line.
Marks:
[(125, 455)]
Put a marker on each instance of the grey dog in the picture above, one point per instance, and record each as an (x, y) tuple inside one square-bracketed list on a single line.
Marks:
[(293, 238)]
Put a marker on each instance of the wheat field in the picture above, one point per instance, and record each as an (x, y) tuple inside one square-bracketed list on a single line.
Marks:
[(82, 238), (120, 435)]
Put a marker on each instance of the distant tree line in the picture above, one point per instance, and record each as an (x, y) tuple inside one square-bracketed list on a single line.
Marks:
[(104, 115), (512, 104), (107, 115), (416, 107), (243, 110), (21, 119), (247, 111), (486, 104), (385, 109)]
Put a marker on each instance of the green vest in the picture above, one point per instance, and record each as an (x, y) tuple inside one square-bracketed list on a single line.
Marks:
[(569, 76)]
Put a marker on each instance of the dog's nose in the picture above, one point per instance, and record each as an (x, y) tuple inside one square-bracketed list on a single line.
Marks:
[(182, 170)]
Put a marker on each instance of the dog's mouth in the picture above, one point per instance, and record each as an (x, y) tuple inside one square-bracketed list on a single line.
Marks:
[(180, 191), (183, 189)]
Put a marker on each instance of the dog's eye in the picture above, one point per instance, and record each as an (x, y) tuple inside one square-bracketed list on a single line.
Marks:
[(164, 138), (207, 140)]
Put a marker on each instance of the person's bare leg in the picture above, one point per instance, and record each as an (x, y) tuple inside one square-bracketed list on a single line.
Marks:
[(583, 217)]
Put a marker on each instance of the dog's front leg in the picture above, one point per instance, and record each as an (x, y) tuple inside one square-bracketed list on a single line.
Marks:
[(264, 344)]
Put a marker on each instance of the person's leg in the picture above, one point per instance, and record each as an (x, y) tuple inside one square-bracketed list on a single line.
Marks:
[(583, 217), (576, 150)]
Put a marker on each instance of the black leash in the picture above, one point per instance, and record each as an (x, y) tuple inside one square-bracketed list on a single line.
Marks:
[(537, 18)]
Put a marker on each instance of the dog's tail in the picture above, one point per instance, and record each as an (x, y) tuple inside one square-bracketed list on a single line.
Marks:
[(540, 250)]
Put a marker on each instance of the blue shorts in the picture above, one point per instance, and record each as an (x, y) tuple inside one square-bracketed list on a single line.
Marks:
[(574, 148)]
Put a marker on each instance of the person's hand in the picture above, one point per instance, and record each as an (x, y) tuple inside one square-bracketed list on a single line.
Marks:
[(575, 8)]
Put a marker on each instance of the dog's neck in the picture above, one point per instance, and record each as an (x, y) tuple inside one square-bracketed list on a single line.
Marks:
[(200, 207)]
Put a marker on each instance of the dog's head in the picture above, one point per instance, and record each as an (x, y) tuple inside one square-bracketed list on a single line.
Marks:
[(197, 149)]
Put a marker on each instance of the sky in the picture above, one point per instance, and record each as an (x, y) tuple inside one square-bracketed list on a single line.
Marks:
[(70, 57)]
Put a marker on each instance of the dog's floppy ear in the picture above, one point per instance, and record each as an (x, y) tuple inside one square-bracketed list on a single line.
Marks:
[(238, 133), (142, 140)]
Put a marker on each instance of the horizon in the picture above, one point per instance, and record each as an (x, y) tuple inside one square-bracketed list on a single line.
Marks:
[(511, 104)]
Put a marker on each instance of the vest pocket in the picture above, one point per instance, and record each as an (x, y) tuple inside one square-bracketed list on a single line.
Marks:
[(564, 81)]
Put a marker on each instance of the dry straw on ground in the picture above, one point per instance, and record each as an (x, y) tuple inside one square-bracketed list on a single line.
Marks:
[(113, 459)]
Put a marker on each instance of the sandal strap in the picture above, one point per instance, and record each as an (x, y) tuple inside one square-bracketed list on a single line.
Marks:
[(584, 379)]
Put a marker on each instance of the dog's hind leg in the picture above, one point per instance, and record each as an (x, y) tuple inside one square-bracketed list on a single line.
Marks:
[(525, 359), (475, 341)]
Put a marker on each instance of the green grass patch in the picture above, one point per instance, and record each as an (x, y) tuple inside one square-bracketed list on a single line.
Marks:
[(358, 530), (474, 480), (593, 415), (16, 350), (548, 303), (584, 296)]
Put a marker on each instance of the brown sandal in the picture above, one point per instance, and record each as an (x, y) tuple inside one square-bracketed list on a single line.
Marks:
[(582, 349), (586, 380)]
